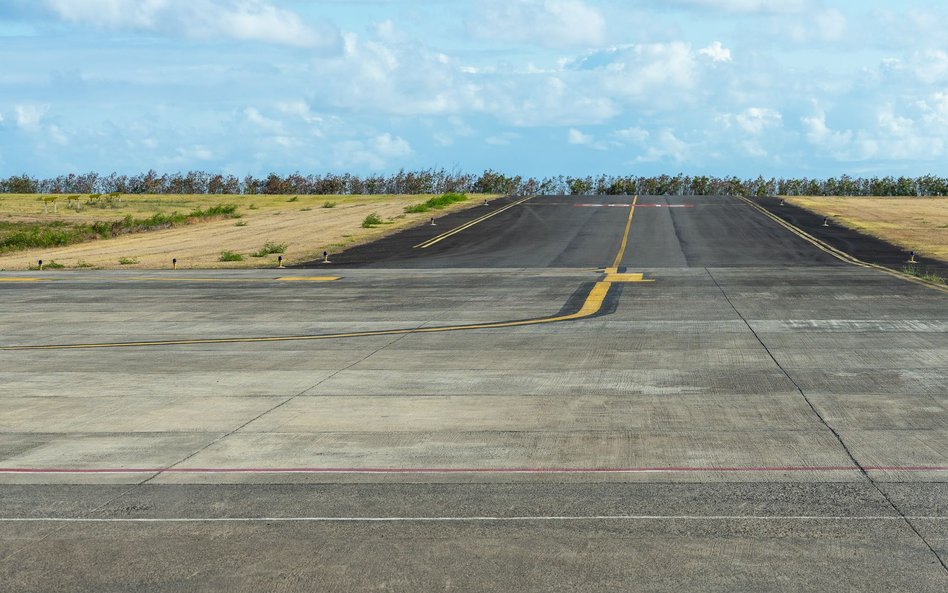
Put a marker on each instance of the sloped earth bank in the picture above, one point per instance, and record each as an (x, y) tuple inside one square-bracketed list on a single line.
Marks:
[(306, 229), (863, 246)]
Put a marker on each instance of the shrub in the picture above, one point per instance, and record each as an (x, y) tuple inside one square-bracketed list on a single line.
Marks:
[(372, 220), (329, 204), (436, 203), (269, 248), (230, 256), (127, 261)]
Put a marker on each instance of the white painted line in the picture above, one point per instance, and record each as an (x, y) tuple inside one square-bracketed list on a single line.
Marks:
[(464, 519)]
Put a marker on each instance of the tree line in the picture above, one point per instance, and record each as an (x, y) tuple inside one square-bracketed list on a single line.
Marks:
[(437, 181)]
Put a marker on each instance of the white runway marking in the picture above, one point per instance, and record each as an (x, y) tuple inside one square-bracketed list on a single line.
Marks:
[(464, 519)]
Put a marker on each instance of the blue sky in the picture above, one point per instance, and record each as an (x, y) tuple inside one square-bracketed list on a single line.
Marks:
[(535, 87)]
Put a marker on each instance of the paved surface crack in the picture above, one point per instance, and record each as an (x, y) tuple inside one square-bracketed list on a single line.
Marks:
[(274, 408), (829, 427)]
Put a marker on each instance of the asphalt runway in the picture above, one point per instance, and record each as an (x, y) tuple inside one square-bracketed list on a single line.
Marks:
[(560, 394)]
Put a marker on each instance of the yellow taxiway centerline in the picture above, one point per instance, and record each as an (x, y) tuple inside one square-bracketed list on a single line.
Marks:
[(625, 238), (591, 306)]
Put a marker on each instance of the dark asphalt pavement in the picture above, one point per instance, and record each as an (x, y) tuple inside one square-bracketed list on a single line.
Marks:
[(586, 232)]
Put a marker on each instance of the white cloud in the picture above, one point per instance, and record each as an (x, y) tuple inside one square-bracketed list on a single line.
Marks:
[(377, 153), (266, 124), (633, 74), (633, 134), (931, 66), (390, 146), (57, 135), (551, 23), (190, 154), (826, 26), (755, 120), (574, 136), (746, 6), (935, 111), (717, 52), (411, 79), (666, 146), (246, 20), (504, 139), (30, 116), (831, 24), (400, 78), (301, 110), (821, 135)]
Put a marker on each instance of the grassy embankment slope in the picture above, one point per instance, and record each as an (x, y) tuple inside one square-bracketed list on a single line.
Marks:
[(305, 225), (917, 224)]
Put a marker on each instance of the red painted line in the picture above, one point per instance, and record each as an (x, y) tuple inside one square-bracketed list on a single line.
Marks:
[(329, 470)]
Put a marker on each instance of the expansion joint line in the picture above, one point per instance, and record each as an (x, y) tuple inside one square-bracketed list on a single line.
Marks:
[(829, 427), (271, 409)]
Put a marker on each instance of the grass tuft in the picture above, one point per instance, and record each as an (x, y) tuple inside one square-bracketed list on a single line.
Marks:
[(436, 203), (913, 270), (329, 204), (269, 248), (127, 261), (230, 256), (49, 265), (372, 221)]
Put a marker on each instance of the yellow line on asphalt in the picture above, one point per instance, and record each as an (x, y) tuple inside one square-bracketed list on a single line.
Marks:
[(637, 277), (468, 225), (235, 279), (625, 237), (591, 306), (17, 279), (840, 255)]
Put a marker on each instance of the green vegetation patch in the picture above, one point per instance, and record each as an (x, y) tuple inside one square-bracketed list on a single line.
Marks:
[(436, 203), (913, 270), (230, 256), (20, 236), (269, 248), (49, 265), (372, 221)]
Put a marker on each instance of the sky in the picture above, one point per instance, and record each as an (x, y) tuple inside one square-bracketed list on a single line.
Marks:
[(532, 87)]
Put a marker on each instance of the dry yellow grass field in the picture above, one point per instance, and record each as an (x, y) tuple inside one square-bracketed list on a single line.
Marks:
[(302, 223), (919, 224)]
